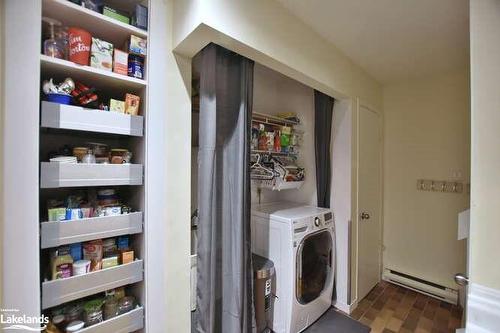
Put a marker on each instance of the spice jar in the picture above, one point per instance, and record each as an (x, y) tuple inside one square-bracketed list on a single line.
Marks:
[(93, 312), (73, 312), (126, 304), (110, 307)]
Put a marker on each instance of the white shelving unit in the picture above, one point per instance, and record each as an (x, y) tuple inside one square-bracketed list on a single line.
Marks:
[(74, 125)]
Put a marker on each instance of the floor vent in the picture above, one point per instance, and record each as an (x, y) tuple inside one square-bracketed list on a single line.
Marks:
[(422, 286)]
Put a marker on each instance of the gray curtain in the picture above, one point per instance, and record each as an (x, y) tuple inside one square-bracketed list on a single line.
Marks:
[(224, 268), (323, 112)]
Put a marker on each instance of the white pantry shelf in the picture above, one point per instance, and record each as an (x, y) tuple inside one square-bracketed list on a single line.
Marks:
[(60, 291), (128, 322), (99, 25), (54, 175), (60, 69), (55, 115), (57, 233)]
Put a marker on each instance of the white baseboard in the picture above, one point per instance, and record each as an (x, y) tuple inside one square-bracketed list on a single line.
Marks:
[(483, 309), (344, 307)]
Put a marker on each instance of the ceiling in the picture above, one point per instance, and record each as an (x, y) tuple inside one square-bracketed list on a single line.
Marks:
[(392, 40)]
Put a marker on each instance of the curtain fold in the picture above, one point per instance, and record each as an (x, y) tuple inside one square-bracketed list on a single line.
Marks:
[(224, 268), (323, 113)]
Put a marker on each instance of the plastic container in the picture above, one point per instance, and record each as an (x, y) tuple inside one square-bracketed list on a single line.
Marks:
[(79, 45), (81, 267), (75, 326), (59, 98)]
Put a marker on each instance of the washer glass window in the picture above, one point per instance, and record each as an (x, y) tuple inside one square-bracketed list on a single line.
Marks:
[(314, 265)]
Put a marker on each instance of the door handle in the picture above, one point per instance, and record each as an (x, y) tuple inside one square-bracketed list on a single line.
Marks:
[(365, 216), (461, 279)]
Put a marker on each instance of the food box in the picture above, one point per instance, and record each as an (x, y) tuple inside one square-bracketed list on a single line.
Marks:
[(132, 104), (115, 14), (137, 45), (101, 54), (116, 106), (127, 256), (120, 62), (140, 17)]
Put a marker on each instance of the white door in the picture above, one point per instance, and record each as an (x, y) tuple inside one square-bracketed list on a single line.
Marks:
[(369, 202)]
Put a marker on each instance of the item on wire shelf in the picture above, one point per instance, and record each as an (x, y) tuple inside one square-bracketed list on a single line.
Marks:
[(140, 17), (262, 143), (277, 141), (135, 66), (291, 116), (115, 14), (116, 106), (269, 167), (120, 62), (132, 104), (79, 45), (101, 54)]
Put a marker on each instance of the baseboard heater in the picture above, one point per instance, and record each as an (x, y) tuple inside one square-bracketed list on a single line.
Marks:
[(420, 285)]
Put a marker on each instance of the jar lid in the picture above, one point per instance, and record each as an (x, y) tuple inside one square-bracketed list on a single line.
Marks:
[(119, 150), (58, 319), (126, 301), (75, 326)]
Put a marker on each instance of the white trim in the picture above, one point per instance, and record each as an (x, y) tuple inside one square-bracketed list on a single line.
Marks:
[(483, 309), (346, 308)]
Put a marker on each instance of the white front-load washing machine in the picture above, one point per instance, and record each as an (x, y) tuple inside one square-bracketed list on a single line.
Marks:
[(300, 240)]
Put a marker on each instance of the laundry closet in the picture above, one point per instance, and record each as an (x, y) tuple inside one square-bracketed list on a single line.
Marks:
[(285, 217)]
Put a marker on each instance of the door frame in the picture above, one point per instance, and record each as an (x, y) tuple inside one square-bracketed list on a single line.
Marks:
[(356, 211)]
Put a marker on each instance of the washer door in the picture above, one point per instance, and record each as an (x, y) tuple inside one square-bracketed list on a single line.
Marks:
[(314, 265)]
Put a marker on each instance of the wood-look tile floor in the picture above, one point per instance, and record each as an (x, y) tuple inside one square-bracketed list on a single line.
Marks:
[(392, 309)]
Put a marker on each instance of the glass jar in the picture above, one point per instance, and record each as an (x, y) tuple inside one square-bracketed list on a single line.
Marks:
[(93, 312), (126, 304), (73, 312), (110, 307)]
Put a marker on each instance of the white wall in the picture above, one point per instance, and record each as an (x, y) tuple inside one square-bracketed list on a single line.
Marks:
[(485, 194), (275, 93), (426, 137), (266, 32)]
